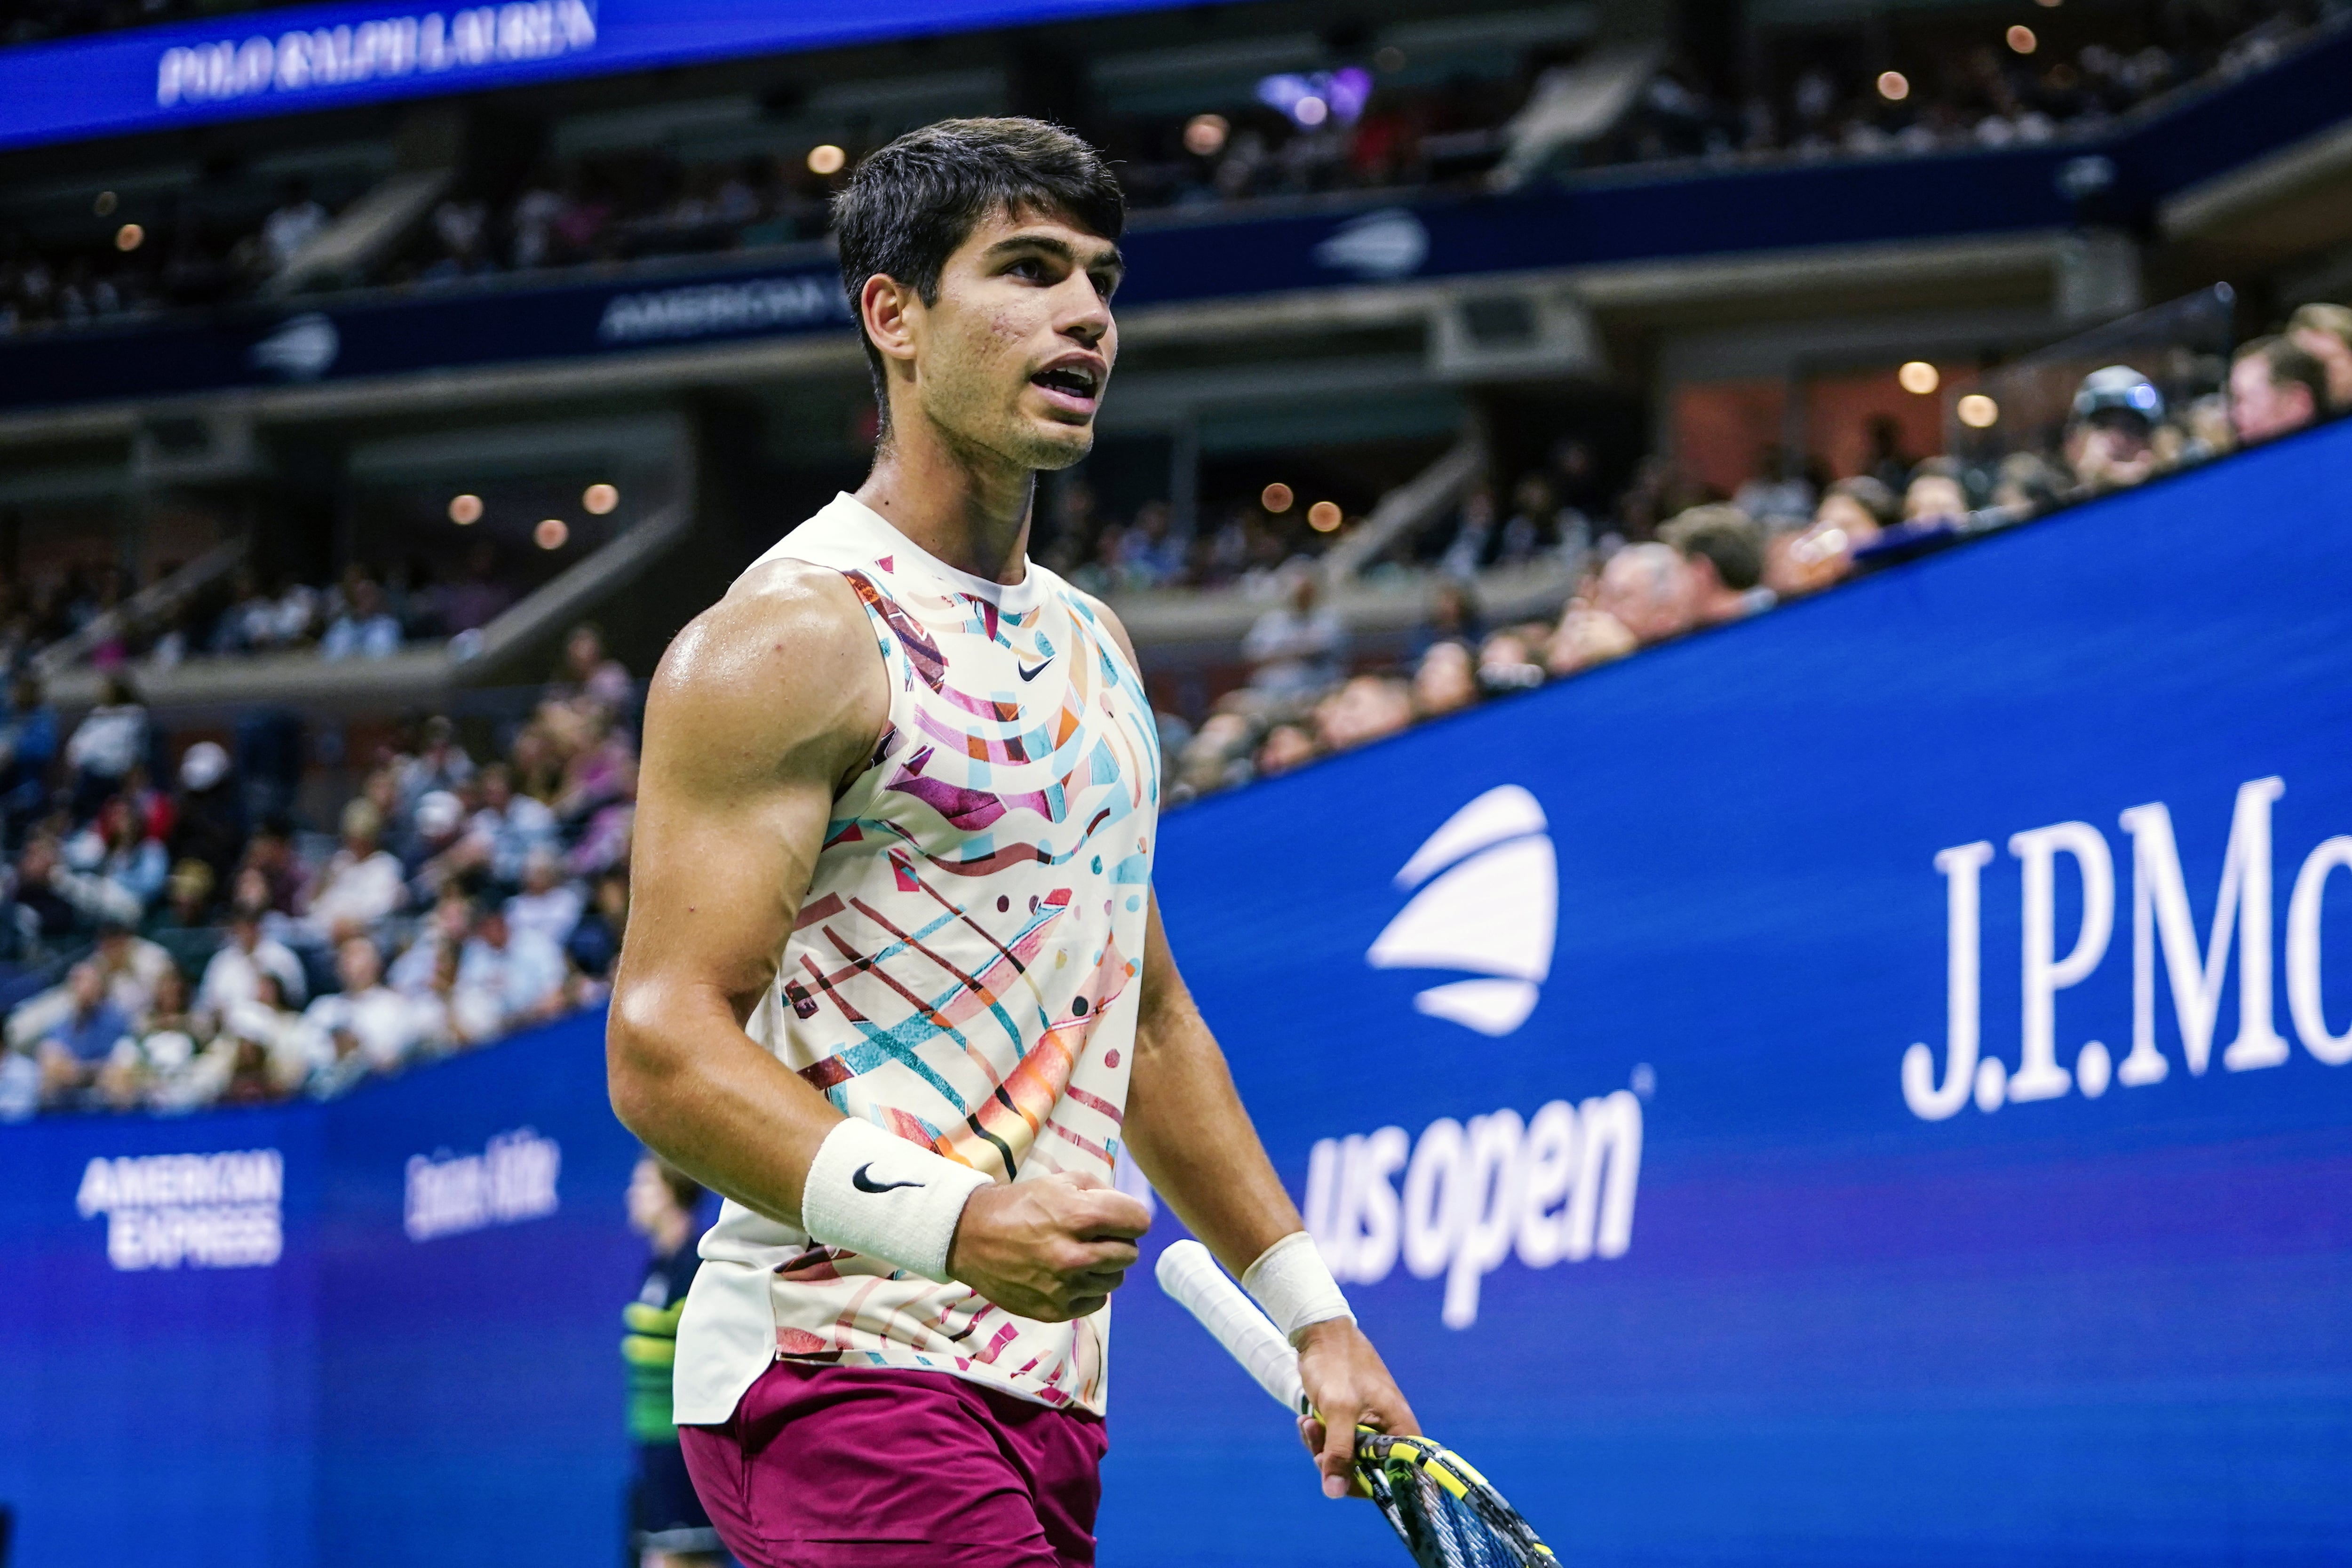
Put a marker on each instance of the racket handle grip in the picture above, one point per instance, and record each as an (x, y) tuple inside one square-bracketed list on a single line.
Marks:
[(1188, 1273)]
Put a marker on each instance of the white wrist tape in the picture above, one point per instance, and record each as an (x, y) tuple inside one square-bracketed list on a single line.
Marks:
[(876, 1194), (1291, 1281)]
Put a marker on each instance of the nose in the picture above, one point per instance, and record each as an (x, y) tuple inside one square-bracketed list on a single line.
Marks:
[(1086, 316)]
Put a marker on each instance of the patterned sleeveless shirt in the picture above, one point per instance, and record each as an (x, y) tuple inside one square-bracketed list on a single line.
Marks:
[(965, 968)]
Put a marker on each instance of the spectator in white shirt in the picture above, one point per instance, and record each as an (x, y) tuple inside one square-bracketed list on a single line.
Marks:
[(233, 977), (509, 826), (111, 740), (523, 970), (363, 883), (363, 628), (1297, 647), (547, 904), (367, 1016)]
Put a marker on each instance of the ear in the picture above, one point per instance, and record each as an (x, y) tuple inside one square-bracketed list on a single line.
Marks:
[(889, 312)]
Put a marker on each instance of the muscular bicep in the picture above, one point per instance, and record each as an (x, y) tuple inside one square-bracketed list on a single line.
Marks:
[(760, 710)]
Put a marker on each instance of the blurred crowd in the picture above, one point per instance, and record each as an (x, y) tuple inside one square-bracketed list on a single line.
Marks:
[(1670, 558), (172, 936), (1377, 123), (366, 613)]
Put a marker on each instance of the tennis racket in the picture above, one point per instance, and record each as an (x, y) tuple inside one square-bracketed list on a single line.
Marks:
[(1441, 1508)]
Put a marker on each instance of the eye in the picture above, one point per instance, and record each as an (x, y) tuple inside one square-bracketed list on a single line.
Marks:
[(1029, 266)]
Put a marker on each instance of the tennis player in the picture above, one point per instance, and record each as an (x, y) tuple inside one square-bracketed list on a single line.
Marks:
[(894, 982)]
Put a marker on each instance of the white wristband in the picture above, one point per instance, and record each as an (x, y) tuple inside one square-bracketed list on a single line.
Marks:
[(1291, 1281), (874, 1192)]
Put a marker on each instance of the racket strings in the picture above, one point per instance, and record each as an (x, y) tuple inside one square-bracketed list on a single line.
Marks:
[(1444, 1514)]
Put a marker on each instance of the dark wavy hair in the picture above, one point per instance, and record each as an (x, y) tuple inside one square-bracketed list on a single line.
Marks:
[(911, 203)]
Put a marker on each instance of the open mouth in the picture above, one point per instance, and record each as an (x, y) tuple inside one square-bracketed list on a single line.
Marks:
[(1074, 387)]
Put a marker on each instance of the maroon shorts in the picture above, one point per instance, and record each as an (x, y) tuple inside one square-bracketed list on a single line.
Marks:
[(868, 1467)]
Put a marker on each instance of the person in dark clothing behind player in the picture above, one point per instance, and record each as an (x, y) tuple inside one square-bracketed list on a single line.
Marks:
[(667, 1525)]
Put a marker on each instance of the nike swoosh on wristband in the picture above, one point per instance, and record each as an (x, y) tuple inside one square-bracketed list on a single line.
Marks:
[(1028, 674), (857, 1179)]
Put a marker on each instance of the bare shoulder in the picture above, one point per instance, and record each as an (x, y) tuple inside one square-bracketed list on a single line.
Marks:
[(1112, 624), (781, 674)]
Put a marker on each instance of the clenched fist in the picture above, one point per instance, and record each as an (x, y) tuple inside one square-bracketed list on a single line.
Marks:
[(1053, 1249)]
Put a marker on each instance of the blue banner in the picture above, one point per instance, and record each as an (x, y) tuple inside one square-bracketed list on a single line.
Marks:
[(238, 67), (1866, 1085), (1869, 1084)]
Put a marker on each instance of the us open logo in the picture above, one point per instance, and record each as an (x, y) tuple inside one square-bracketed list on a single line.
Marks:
[(1488, 904)]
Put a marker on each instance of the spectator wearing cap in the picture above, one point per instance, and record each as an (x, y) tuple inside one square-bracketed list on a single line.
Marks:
[(1723, 552), (435, 849), (2325, 332), (361, 884), (2111, 433), (207, 816), (2276, 389), (234, 975)]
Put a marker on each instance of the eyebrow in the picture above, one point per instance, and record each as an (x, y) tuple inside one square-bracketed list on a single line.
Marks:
[(1054, 246)]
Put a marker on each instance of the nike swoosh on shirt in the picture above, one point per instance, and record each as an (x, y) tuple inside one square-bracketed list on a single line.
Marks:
[(1029, 674), (857, 1179)]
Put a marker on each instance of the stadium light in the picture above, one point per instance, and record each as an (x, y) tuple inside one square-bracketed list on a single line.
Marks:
[(825, 158), (2021, 39), (128, 236), (1978, 412), (1894, 86), (1205, 135), (104, 205), (1918, 376), (551, 533), (600, 500), (1275, 498), (464, 510), (1310, 111), (1324, 516)]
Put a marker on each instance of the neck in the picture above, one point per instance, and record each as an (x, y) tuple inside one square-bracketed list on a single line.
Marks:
[(669, 1231), (968, 507)]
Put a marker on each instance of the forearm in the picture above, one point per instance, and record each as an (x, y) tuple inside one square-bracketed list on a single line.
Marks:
[(1193, 1137), (704, 1096)]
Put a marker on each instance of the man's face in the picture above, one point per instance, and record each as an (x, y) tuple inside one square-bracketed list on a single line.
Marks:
[(359, 966), (2260, 408), (1013, 356)]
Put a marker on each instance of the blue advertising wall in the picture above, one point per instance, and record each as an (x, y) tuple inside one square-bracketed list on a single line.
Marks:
[(1793, 1312)]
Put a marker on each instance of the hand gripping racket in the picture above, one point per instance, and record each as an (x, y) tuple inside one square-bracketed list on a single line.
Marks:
[(1441, 1508)]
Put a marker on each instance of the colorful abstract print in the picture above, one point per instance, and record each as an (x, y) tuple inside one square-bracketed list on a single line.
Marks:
[(964, 969)]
